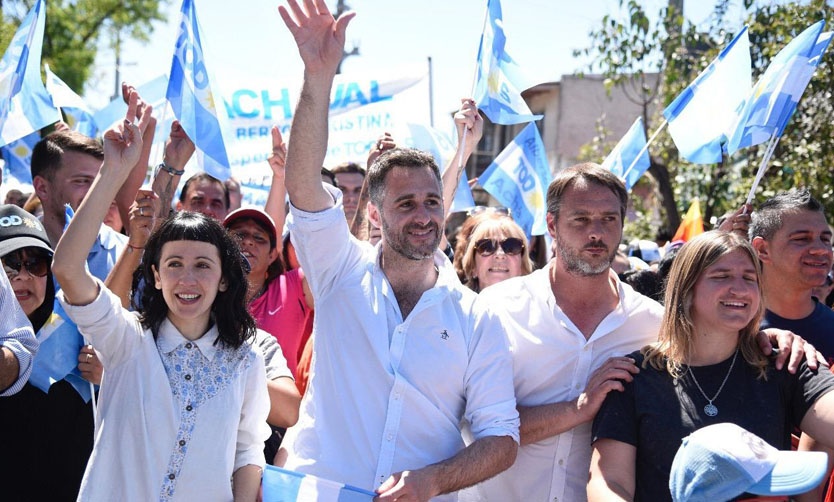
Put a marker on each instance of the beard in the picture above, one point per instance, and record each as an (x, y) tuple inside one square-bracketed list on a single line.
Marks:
[(575, 264), (399, 243)]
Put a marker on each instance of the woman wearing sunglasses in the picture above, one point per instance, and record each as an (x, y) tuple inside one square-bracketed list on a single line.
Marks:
[(496, 251), (47, 426)]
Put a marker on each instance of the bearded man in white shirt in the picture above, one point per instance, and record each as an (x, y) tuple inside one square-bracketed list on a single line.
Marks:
[(402, 350)]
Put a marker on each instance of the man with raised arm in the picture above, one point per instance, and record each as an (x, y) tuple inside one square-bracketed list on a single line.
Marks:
[(403, 350)]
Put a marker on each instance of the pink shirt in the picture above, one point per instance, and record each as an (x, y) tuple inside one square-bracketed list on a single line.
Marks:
[(282, 312)]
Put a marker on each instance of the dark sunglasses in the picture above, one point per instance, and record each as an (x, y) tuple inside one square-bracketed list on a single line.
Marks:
[(511, 246), (37, 265)]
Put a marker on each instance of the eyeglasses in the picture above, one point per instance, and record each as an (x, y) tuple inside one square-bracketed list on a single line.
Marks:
[(511, 246), (37, 265), (491, 209)]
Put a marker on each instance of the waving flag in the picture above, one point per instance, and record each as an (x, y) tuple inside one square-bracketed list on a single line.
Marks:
[(60, 343), (25, 106), (701, 117), (519, 177), (78, 114), (623, 159), (692, 224), (282, 485), (191, 96), (18, 157), (776, 94), (499, 82)]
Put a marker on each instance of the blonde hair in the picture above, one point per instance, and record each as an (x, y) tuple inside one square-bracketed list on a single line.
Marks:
[(674, 346), (485, 228)]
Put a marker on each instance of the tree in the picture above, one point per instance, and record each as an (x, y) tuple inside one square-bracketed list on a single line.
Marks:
[(74, 29), (678, 52)]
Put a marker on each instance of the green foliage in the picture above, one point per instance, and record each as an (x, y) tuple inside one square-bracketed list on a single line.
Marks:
[(75, 29), (678, 52)]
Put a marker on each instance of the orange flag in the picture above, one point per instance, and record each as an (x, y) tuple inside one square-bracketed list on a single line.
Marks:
[(692, 224)]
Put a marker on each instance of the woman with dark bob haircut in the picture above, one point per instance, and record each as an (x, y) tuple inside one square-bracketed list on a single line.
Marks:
[(183, 401)]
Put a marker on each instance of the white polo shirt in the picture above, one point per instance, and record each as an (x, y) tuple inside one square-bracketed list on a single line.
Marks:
[(552, 362), (387, 394)]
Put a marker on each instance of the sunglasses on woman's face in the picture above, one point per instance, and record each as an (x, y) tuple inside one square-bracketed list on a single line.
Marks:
[(36, 265), (511, 246)]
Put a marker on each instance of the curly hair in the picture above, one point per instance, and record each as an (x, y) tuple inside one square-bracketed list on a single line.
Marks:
[(229, 310)]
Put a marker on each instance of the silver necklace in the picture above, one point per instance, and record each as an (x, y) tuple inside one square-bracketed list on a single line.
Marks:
[(710, 409)]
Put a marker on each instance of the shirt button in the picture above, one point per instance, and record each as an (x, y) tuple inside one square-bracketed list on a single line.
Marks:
[(171, 476), (182, 443), (390, 437), (188, 377), (188, 345), (578, 387), (189, 408), (561, 462)]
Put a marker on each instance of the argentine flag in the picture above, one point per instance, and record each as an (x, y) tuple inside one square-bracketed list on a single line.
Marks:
[(519, 178), (79, 116), (282, 485), (623, 159), (191, 97)]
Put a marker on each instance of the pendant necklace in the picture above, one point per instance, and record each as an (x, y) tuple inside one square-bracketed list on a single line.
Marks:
[(710, 409)]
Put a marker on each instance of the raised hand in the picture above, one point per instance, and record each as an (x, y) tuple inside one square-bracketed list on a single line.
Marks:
[(469, 119), (179, 148), (278, 158), (143, 218), (383, 143), (319, 37), (123, 143)]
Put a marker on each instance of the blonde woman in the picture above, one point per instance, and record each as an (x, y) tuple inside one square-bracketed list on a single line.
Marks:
[(496, 250), (706, 368)]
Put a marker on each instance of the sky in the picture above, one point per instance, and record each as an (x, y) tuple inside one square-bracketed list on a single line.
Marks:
[(248, 38)]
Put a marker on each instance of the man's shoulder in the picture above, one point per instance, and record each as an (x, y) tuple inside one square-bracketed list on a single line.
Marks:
[(637, 304)]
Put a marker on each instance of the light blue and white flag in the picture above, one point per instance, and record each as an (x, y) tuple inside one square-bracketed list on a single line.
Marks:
[(774, 98), (442, 148), (519, 177), (701, 117), (25, 106), (282, 485), (18, 157), (79, 116), (623, 160), (190, 93), (60, 342), (499, 81)]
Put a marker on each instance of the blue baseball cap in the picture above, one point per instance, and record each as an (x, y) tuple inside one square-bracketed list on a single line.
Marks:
[(723, 461)]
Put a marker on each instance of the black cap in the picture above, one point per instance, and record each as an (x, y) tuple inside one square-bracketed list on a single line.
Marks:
[(20, 229)]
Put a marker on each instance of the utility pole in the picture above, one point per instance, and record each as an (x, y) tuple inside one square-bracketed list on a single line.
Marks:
[(341, 7), (117, 47)]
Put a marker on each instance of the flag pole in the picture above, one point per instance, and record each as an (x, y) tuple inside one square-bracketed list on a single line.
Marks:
[(472, 92), (771, 146), (645, 148)]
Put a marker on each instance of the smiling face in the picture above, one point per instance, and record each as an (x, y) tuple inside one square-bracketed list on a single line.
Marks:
[(498, 266), (69, 183), (29, 289), (411, 213), (588, 229), (189, 276), (726, 295)]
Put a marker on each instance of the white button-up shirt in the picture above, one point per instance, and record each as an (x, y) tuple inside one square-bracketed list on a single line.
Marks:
[(552, 362), (387, 394), (176, 418)]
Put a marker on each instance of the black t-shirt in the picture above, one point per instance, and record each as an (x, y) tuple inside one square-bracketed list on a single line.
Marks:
[(817, 328), (655, 412)]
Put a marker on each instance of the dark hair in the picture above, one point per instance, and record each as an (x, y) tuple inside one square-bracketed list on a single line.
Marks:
[(348, 167), (276, 268), (409, 158), (327, 173), (40, 315), (589, 173), (767, 219), (229, 310), (49, 151), (204, 176)]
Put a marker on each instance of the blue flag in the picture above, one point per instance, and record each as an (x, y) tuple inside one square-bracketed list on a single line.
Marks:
[(701, 117), (623, 160), (18, 157), (78, 115), (499, 82), (57, 359), (282, 485), (25, 106), (191, 97), (519, 177), (774, 98)]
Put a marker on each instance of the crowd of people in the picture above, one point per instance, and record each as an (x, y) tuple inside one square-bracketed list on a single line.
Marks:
[(340, 333)]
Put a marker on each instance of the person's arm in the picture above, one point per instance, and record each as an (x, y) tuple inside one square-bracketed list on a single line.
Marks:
[(18, 344), (142, 222), (275, 206), (466, 119), (127, 193), (481, 460), (788, 345), (547, 420), (321, 41), (359, 225), (246, 483), (122, 147), (284, 401), (613, 474), (178, 150)]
